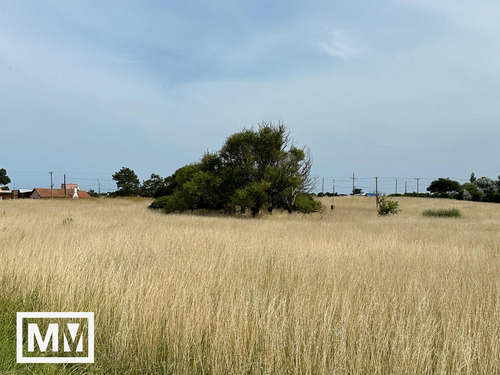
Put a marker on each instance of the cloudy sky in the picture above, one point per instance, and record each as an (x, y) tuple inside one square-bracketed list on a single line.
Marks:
[(395, 88)]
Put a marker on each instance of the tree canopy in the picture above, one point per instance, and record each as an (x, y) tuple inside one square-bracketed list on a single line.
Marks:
[(444, 186), (255, 169), (127, 182), (156, 186), (489, 189), (477, 189), (4, 179)]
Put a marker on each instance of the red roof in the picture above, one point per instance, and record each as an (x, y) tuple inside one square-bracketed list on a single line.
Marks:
[(59, 193)]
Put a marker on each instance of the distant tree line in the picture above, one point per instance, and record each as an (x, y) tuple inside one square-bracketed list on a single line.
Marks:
[(256, 169), (482, 189)]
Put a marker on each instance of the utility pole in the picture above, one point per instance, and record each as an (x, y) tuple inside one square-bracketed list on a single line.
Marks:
[(417, 184), (99, 187), (51, 186), (353, 178), (323, 186), (406, 187), (396, 185), (333, 195), (376, 191), (65, 186)]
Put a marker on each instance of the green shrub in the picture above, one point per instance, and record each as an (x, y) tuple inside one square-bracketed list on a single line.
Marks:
[(387, 206), (171, 203), (470, 192), (159, 203), (306, 204), (449, 212)]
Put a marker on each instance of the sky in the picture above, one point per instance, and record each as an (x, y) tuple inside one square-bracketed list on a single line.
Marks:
[(391, 88)]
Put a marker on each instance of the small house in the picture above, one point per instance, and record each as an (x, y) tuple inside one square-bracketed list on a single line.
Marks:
[(41, 193)]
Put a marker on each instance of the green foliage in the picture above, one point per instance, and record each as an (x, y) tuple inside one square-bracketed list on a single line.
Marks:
[(450, 212), (482, 189), (159, 203), (444, 187), (326, 194), (156, 186), (178, 202), (255, 169), (357, 191), (93, 193), (306, 204), (387, 206), (4, 179), (417, 195), (470, 192), (489, 188), (127, 182), (253, 195)]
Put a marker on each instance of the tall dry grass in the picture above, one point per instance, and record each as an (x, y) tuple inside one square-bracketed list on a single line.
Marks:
[(346, 292)]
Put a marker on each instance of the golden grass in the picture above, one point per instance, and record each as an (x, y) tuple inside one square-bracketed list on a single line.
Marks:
[(342, 292)]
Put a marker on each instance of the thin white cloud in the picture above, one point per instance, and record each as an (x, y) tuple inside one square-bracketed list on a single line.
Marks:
[(471, 15), (341, 47)]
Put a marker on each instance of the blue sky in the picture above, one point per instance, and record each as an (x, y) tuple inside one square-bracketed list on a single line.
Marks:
[(395, 88)]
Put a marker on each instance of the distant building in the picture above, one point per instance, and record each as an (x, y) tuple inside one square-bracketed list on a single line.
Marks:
[(5, 194), (39, 193), (71, 191), (70, 186), (21, 193)]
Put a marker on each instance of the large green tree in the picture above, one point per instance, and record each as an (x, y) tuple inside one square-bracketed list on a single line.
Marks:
[(4, 179), (127, 182), (444, 186), (256, 169), (266, 168)]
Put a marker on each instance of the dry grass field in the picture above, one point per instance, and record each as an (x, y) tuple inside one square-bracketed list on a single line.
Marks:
[(345, 292)]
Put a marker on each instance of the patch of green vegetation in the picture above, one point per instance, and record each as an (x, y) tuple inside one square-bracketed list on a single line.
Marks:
[(9, 307), (449, 212), (387, 206)]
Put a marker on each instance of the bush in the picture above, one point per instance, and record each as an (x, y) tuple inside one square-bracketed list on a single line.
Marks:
[(471, 192), (387, 206), (450, 212), (159, 203), (306, 204), (93, 194)]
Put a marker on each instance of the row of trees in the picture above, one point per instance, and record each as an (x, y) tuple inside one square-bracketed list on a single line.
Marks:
[(477, 189), (129, 185), (256, 169)]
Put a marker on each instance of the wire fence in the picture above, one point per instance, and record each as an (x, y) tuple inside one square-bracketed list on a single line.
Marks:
[(388, 185), (103, 182)]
